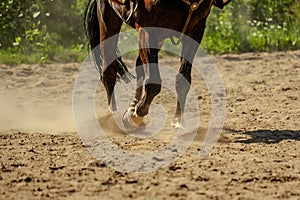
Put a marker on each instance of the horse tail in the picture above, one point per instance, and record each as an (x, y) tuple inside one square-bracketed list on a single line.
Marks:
[(92, 32)]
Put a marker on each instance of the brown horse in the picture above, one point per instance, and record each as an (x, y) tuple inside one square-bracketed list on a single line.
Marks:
[(103, 19)]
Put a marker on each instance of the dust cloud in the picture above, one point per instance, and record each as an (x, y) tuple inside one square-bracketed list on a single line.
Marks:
[(35, 117)]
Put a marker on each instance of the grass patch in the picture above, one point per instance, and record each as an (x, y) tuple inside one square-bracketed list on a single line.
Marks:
[(59, 55)]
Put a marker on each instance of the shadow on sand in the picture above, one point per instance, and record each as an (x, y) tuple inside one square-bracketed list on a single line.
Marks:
[(268, 136)]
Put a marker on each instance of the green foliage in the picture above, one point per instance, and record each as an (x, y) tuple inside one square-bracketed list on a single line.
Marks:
[(254, 25), (48, 28), (51, 30), (11, 58)]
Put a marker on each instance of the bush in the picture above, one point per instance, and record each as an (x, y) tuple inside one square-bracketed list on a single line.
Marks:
[(253, 25), (51, 30), (45, 27)]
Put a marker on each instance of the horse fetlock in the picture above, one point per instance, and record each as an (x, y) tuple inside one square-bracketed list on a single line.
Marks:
[(142, 111)]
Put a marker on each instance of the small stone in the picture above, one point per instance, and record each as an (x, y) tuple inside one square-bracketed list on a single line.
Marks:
[(28, 179)]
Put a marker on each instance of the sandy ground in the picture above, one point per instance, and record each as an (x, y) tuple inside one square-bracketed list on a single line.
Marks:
[(257, 156)]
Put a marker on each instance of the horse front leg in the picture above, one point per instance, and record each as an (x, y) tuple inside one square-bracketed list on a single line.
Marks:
[(152, 85), (140, 77), (182, 85), (130, 119), (183, 82), (151, 81), (183, 78)]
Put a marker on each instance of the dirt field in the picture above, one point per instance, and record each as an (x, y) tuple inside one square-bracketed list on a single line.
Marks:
[(257, 156)]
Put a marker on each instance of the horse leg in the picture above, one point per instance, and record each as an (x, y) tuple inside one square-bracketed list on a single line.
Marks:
[(182, 85), (140, 73), (183, 78), (148, 58), (130, 120), (110, 24), (140, 76)]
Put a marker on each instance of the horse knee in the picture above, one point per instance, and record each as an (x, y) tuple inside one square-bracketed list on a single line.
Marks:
[(153, 89)]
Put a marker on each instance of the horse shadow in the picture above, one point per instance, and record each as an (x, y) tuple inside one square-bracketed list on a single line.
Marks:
[(269, 136)]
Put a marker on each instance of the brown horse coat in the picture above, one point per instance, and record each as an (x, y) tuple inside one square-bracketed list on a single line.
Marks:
[(104, 18)]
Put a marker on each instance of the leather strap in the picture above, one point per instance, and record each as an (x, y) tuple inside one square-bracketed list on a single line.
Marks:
[(192, 7)]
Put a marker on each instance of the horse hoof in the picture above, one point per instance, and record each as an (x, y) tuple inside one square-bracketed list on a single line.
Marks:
[(177, 124), (130, 121)]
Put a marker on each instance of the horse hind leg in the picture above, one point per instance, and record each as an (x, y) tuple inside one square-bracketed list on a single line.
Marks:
[(110, 25)]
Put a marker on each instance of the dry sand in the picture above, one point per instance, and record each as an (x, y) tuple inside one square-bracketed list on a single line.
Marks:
[(257, 156)]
